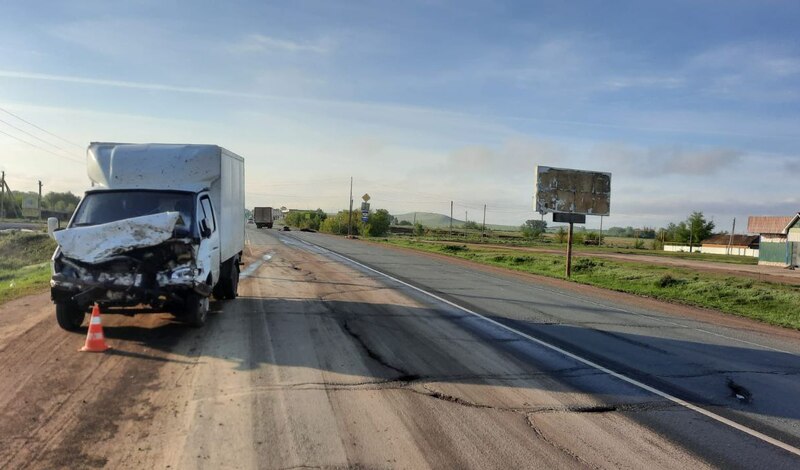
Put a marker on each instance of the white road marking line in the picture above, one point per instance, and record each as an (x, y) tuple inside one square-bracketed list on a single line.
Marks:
[(624, 378)]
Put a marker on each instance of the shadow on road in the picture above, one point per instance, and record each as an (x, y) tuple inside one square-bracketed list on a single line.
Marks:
[(384, 342)]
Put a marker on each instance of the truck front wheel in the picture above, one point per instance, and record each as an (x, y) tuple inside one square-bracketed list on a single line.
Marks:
[(69, 315), (195, 309), (228, 285)]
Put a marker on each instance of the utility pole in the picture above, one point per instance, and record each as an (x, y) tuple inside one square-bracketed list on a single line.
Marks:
[(350, 214), (451, 219), (466, 219), (415, 218), (40, 199), (733, 230), (483, 226)]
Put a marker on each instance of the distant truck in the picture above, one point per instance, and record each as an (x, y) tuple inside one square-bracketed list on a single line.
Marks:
[(161, 229), (263, 217)]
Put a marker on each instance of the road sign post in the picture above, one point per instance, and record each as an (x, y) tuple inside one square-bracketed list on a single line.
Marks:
[(365, 208), (350, 214)]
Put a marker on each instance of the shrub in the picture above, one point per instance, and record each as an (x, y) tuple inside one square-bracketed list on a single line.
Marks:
[(668, 281), (561, 235), (585, 265), (591, 238), (454, 248), (533, 228)]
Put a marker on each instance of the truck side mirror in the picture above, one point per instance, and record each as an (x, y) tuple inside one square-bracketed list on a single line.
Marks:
[(52, 225), (205, 231)]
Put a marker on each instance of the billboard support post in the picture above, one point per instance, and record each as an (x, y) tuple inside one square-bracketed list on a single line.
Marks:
[(600, 238), (569, 251)]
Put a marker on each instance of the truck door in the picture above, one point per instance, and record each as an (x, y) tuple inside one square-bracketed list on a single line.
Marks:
[(209, 251)]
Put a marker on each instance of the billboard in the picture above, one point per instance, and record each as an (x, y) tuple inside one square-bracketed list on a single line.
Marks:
[(572, 191), (30, 202), (30, 206)]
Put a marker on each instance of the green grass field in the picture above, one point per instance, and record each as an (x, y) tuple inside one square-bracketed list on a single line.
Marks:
[(24, 263), (610, 245), (776, 304)]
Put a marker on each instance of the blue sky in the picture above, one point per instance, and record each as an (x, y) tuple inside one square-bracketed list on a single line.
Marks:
[(691, 105)]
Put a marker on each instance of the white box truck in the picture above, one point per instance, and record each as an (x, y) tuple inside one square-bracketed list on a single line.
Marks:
[(161, 229), (262, 216)]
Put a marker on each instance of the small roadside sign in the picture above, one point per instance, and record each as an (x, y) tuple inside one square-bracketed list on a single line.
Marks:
[(567, 218), (364, 207), (364, 216), (365, 197)]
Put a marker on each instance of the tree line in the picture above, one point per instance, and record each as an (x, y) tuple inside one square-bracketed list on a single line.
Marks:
[(694, 229), (52, 201), (377, 224)]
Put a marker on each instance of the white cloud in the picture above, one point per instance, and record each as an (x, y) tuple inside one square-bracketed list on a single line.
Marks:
[(653, 162), (516, 157), (754, 71), (755, 58), (644, 81), (128, 39), (259, 43)]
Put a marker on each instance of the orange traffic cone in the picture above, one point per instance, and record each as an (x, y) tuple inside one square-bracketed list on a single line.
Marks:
[(95, 340)]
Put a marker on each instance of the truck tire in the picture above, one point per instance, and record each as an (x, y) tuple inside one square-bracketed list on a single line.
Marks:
[(195, 309), (228, 285), (69, 316), (233, 286)]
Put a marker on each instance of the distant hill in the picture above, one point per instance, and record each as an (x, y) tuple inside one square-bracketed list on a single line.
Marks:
[(433, 220), (429, 219)]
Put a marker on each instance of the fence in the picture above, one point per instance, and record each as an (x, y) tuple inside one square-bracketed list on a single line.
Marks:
[(714, 249)]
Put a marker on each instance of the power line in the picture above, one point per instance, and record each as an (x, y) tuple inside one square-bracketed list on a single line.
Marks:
[(43, 130), (34, 136), (41, 148)]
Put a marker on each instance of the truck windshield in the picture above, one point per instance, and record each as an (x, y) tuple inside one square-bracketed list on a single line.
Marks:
[(104, 207)]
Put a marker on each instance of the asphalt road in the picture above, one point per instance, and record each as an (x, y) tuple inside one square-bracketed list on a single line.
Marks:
[(323, 362)]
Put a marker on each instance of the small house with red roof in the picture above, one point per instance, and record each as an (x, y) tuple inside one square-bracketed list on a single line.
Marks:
[(779, 239)]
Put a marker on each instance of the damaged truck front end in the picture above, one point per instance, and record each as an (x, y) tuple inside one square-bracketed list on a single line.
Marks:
[(132, 265), (160, 277)]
